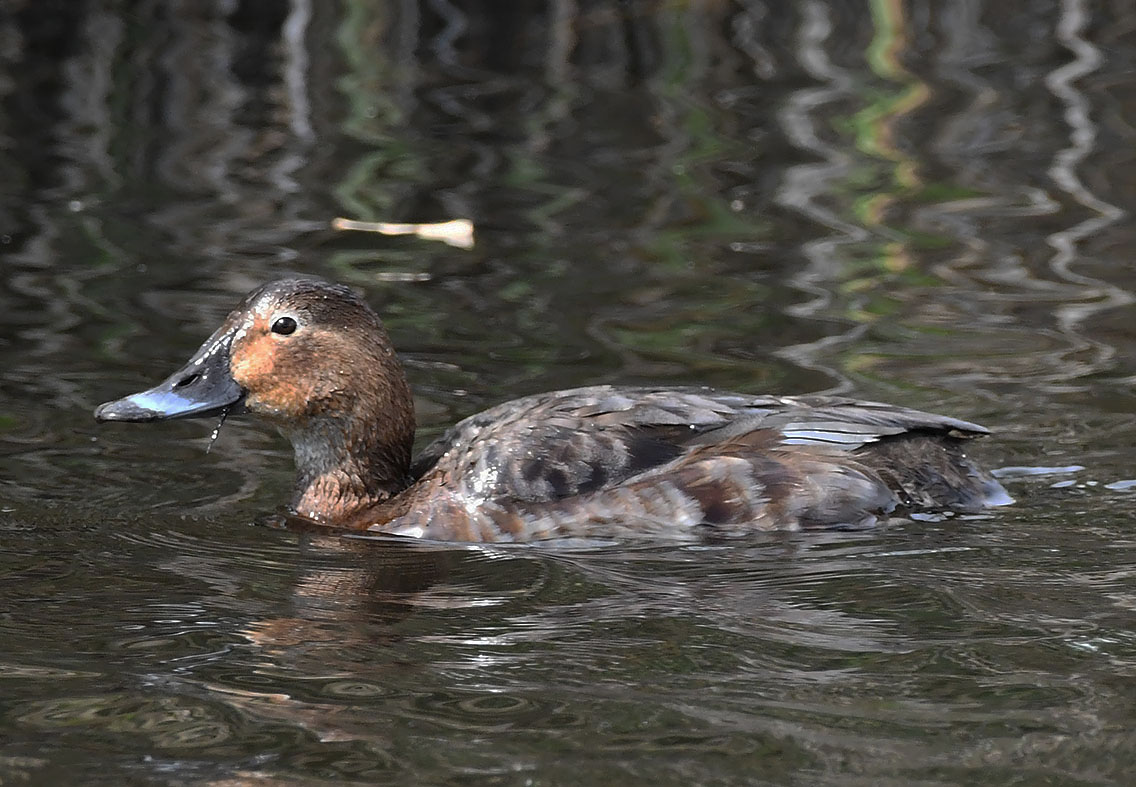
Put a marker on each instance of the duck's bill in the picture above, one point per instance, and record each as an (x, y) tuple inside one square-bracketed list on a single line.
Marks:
[(201, 388)]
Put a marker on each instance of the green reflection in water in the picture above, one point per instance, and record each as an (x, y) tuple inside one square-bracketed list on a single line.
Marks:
[(891, 175), (373, 88), (700, 144), (168, 722)]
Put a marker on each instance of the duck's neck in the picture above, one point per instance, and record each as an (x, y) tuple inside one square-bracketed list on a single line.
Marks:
[(345, 464)]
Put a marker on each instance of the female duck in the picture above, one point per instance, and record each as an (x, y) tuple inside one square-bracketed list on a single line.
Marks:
[(602, 462)]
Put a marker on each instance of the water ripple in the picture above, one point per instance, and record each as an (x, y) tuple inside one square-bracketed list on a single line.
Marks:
[(1095, 295)]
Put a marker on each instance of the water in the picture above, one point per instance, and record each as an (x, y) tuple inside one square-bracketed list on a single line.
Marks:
[(923, 203)]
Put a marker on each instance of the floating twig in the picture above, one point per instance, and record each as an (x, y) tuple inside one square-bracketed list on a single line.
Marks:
[(458, 232)]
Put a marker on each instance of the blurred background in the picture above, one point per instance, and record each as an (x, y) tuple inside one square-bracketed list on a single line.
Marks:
[(925, 203)]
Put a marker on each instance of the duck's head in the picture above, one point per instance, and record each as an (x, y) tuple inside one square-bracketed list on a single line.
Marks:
[(310, 357)]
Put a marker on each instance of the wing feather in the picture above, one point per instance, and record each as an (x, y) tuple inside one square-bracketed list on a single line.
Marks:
[(551, 446)]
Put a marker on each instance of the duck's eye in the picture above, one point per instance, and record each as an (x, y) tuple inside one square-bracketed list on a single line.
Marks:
[(284, 326)]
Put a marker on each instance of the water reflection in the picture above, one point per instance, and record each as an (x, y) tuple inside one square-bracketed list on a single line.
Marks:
[(919, 203)]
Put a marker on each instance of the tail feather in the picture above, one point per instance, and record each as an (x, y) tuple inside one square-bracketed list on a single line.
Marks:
[(933, 472)]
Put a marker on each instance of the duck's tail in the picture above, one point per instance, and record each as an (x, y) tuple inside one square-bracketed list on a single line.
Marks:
[(931, 472)]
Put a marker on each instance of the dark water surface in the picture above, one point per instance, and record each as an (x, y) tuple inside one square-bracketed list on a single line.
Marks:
[(926, 203)]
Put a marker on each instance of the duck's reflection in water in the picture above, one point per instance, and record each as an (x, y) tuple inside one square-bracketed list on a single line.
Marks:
[(354, 588), (344, 631), (356, 631)]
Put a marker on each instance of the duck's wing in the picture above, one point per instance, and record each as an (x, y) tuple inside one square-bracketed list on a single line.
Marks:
[(565, 443), (845, 424), (552, 446)]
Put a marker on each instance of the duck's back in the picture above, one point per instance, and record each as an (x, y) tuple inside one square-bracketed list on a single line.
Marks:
[(603, 462)]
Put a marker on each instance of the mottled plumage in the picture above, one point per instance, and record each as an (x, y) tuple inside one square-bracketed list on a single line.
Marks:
[(598, 462), (611, 462)]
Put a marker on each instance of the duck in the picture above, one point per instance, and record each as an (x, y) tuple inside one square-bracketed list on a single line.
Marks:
[(606, 462)]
